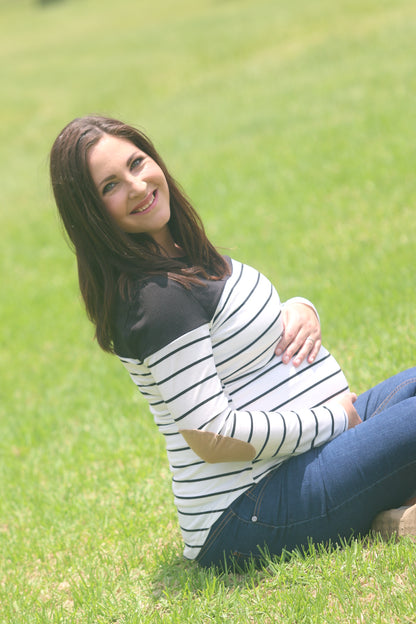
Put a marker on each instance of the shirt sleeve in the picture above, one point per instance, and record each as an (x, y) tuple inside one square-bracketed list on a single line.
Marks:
[(304, 301), (183, 381)]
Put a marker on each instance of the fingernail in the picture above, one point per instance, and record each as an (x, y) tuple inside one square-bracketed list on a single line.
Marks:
[(278, 351)]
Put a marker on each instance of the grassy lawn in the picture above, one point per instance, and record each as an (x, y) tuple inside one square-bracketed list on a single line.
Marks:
[(291, 127)]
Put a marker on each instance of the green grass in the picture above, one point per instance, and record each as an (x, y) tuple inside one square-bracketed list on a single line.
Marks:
[(291, 126)]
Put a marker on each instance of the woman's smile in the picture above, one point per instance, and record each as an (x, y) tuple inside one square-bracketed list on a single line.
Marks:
[(147, 204)]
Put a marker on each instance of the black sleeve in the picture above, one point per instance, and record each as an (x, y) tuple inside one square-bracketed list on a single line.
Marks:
[(160, 311)]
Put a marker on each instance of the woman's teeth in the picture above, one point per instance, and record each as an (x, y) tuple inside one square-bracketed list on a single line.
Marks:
[(143, 208)]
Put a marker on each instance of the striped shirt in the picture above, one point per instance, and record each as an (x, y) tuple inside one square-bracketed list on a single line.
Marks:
[(229, 409)]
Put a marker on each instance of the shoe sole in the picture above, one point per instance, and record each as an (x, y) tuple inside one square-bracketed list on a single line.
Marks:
[(398, 522)]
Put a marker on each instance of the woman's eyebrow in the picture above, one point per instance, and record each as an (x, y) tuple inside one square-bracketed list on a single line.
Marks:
[(107, 179), (112, 175), (132, 157)]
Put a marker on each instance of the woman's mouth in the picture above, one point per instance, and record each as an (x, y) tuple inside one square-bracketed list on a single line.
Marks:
[(146, 205)]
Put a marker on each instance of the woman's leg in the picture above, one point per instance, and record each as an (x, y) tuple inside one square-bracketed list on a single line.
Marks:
[(332, 491), (400, 520), (387, 393)]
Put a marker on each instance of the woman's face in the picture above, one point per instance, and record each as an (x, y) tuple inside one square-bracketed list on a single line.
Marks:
[(132, 186)]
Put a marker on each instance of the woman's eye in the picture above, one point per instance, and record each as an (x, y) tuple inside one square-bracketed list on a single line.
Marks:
[(108, 187), (136, 162)]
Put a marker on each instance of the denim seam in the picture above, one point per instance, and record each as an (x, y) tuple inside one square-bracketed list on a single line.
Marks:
[(392, 394), (213, 536), (249, 493), (260, 497)]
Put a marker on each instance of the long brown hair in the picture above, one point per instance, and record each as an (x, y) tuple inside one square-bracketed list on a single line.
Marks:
[(109, 258)]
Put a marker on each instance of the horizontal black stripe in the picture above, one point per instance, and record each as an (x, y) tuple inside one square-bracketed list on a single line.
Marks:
[(178, 450), (199, 530), (259, 376), (193, 545), (139, 374), (258, 477), (188, 388), (283, 383), (183, 466), (215, 476), (181, 348), (206, 512), (331, 396), (249, 373), (143, 386), (247, 347), (219, 493), (295, 396), (160, 382), (195, 407)]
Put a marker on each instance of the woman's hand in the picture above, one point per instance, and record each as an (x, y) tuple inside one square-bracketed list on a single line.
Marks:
[(301, 334), (347, 400)]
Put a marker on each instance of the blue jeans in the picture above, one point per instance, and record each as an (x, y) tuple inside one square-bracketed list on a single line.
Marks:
[(330, 492)]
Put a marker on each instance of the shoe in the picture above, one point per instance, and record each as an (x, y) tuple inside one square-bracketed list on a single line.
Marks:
[(400, 521)]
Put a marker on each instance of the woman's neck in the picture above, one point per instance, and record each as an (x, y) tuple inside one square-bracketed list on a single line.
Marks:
[(165, 241)]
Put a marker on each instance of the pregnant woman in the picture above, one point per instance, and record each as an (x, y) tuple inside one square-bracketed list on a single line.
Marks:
[(267, 446)]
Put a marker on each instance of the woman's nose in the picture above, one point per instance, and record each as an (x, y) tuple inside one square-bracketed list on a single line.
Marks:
[(137, 187)]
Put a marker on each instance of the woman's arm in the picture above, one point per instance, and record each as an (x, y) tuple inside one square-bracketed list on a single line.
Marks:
[(184, 383)]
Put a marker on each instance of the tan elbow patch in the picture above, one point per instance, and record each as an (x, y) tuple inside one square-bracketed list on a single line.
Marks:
[(214, 448)]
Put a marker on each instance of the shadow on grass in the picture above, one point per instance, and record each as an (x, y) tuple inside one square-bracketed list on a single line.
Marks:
[(47, 2), (173, 575)]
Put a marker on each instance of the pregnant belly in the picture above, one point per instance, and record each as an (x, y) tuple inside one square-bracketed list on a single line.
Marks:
[(282, 386)]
